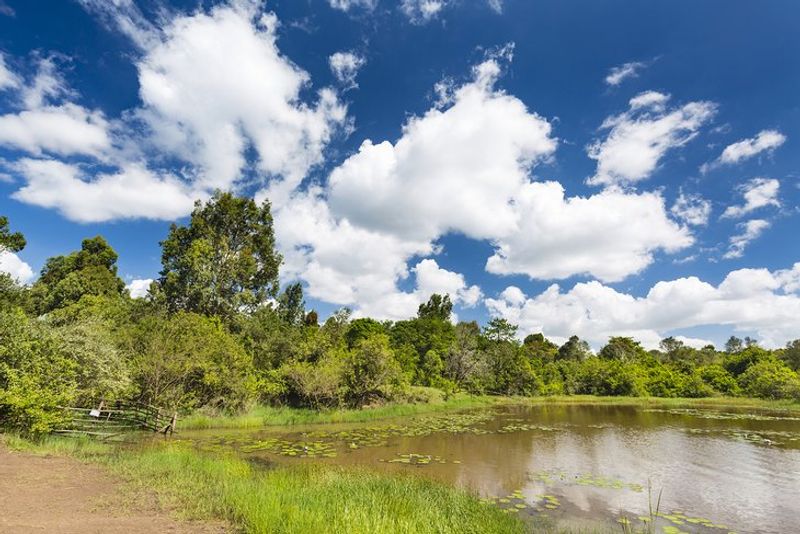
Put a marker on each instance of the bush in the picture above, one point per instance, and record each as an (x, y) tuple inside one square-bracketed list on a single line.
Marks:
[(770, 379), (369, 370), (36, 376)]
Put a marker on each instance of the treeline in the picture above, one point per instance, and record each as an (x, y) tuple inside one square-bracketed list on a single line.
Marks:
[(215, 333)]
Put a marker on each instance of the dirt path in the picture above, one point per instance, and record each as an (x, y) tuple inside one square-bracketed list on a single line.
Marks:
[(56, 494)]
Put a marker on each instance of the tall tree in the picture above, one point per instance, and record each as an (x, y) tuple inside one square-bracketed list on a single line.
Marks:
[(11, 242), (574, 349), (437, 307), (500, 330), (224, 260), (90, 271), (291, 306)]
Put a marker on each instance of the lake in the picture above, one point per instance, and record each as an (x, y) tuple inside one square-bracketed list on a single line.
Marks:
[(576, 467)]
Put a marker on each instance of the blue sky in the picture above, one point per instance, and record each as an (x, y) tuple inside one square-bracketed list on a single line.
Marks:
[(643, 157)]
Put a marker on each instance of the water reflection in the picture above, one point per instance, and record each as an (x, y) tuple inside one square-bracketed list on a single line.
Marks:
[(581, 464)]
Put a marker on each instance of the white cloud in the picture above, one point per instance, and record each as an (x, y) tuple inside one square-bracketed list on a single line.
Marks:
[(132, 191), (622, 72), (748, 300), (46, 124), (253, 99), (64, 130), (422, 11), (8, 80), (345, 67), (692, 209), (453, 169), (751, 230), (757, 193), (609, 235), (12, 265), (639, 138), (347, 5), (462, 167), (765, 141), (495, 5), (139, 288)]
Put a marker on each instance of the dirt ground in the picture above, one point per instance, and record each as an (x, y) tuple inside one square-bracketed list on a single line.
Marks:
[(63, 495)]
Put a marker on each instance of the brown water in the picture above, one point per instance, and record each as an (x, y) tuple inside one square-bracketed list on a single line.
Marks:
[(576, 466)]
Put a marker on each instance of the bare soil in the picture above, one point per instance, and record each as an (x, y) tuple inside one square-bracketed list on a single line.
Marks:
[(59, 494)]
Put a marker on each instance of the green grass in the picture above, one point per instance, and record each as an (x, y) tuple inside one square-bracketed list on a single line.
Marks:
[(708, 402), (261, 416), (285, 416), (286, 499)]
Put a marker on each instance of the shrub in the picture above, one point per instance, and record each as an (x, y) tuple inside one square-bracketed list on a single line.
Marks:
[(770, 379)]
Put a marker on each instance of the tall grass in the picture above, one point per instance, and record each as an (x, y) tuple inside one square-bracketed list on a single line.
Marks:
[(285, 416), (707, 402), (306, 498)]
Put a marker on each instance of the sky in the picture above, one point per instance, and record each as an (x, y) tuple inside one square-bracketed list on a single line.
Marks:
[(593, 168)]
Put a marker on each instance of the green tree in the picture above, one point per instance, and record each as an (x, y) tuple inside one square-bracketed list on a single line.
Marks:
[(499, 330), (464, 363), (189, 361), (540, 348), (66, 279), (362, 328), (369, 370), (575, 349), (770, 379), (36, 376), (223, 261), (437, 307), (791, 354), (623, 349), (10, 241), (291, 305), (733, 345)]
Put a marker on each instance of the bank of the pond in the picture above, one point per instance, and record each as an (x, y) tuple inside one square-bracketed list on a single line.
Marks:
[(287, 499), (263, 416)]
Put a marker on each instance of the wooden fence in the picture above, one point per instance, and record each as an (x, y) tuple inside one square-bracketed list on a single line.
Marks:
[(110, 418)]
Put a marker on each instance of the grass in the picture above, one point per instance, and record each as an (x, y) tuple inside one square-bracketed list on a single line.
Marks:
[(656, 402), (287, 499), (285, 416), (262, 416)]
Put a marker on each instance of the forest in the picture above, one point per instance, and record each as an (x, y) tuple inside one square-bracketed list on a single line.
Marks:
[(217, 334)]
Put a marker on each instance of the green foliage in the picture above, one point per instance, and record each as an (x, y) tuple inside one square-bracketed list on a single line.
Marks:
[(791, 354), (361, 329), (624, 349), (368, 369), (223, 261), (36, 375), (500, 330), (291, 306), (65, 280), (770, 379), (187, 360), (574, 349), (438, 307), (12, 242)]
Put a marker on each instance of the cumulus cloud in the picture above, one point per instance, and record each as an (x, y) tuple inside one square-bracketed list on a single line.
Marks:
[(255, 100), (692, 209), (12, 265), (610, 235), (462, 167), (131, 192), (749, 300), (48, 124), (750, 231), (139, 288), (639, 138), (620, 73), (345, 67), (757, 193), (206, 122)]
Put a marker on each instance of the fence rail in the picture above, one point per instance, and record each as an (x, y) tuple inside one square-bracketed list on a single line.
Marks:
[(110, 418)]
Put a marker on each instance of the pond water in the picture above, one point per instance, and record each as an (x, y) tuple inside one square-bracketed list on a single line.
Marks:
[(576, 466)]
